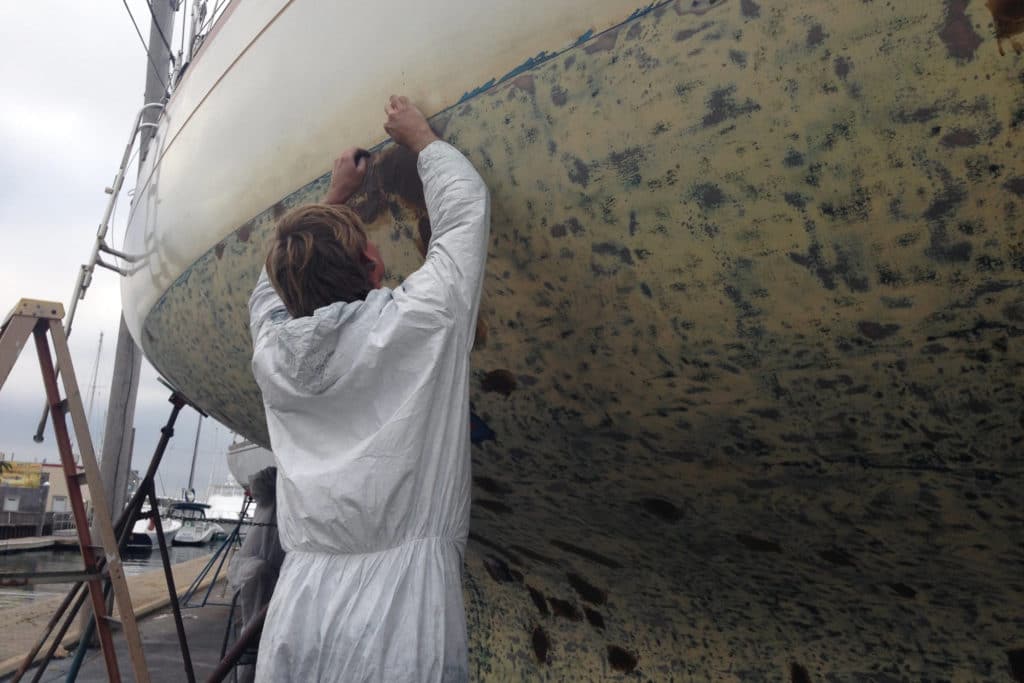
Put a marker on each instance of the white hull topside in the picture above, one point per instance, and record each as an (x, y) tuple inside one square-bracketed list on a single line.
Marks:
[(281, 86)]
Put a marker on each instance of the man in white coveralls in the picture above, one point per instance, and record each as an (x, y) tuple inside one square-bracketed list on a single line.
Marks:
[(366, 391)]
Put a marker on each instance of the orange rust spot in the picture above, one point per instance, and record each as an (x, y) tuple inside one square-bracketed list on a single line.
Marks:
[(392, 175), (1009, 18)]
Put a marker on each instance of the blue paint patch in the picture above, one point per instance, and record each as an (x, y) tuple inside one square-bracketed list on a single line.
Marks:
[(584, 38), (530, 63), (476, 91), (478, 429), (541, 57), (544, 55), (645, 10)]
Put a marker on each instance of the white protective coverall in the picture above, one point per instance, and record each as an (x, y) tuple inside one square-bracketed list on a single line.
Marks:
[(367, 407)]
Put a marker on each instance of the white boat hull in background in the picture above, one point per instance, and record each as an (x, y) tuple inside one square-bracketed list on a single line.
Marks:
[(198, 533), (144, 535)]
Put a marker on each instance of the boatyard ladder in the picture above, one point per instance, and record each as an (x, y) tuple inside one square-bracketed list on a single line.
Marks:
[(31, 318)]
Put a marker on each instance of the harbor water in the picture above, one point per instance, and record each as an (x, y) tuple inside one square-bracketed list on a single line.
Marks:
[(68, 559)]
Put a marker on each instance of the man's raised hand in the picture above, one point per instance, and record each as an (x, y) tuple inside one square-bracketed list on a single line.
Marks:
[(406, 124), (349, 170)]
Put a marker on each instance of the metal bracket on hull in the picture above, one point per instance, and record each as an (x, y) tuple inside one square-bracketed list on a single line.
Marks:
[(100, 245)]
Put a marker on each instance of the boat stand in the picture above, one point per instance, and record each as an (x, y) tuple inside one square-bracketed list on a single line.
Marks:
[(37, 319), (146, 492), (246, 645), (233, 540)]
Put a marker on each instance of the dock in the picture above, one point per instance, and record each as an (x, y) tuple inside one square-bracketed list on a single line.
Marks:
[(24, 623), (17, 545)]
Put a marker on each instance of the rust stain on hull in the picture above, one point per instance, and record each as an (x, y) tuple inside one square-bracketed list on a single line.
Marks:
[(1009, 19), (957, 33)]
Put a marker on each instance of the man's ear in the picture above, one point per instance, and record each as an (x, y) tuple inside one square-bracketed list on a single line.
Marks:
[(376, 265)]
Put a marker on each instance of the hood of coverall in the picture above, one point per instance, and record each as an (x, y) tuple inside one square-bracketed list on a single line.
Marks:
[(311, 351)]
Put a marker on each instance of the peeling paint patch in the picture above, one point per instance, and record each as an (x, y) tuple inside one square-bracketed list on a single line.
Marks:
[(798, 673), (722, 106), (587, 590), (708, 195), (1015, 185), (523, 82), (957, 33), (499, 381), (627, 164), (565, 609), (579, 172), (559, 95), (842, 67), (688, 33), (541, 644), (603, 43), (621, 659), (815, 36), (877, 331), (569, 225), (960, 138)]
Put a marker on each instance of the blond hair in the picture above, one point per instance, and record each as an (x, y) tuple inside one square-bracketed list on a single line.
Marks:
[(317, 257)]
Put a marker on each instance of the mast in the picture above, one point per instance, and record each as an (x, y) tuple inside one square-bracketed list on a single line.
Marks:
[(124, 386), (95, 374), (195, 452)]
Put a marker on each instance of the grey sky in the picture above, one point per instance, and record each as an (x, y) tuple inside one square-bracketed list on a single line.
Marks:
[(71, 82)]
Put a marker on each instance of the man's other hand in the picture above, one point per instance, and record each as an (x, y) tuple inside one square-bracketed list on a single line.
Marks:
[(406, 124), (349, 170)]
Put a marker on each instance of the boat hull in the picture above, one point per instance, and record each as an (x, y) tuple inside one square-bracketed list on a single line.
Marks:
[(748, 364), (145, 539), (187, 537)]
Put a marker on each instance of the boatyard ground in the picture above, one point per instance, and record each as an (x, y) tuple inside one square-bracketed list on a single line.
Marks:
[(205, 628)]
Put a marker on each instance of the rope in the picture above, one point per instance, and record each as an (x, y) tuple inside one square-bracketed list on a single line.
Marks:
[(159, 30), (181, 49), (212, 16), (156, 71)]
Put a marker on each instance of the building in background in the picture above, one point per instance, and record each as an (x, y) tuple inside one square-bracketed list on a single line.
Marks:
[(34, 499)]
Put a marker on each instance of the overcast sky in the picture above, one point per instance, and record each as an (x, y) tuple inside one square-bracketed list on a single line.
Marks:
[(72, 76)]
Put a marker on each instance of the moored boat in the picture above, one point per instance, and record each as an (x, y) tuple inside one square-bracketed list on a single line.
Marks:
[(144, 537), (195, 528)]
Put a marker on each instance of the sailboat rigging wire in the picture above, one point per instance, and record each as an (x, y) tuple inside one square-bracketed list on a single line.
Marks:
[(181, 49), (170, 50), (145, 48), (212, 18), (113, 213)]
